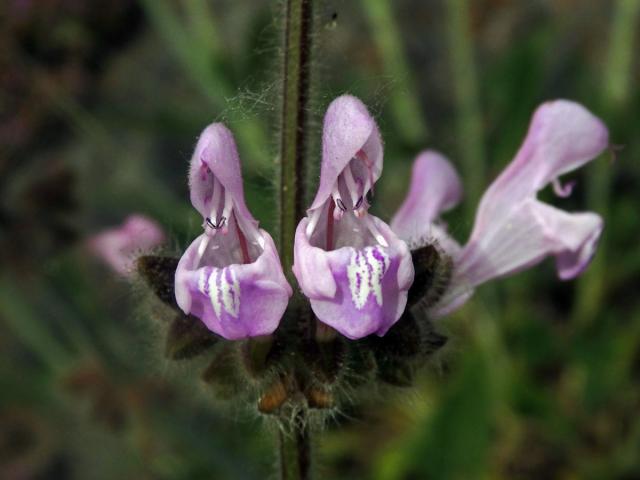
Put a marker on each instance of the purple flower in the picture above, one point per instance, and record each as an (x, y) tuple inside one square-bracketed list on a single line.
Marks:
[(513, 230), (117, 247), (355, 271), (230, 276)]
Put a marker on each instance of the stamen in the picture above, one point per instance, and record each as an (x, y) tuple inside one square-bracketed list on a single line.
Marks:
[(352, 185), (248, 227), (226, 210), (205, 171), (337, 213), (362, 156), (215, 226), (565, 190), (212, 220), (243, 242), (330, 221)]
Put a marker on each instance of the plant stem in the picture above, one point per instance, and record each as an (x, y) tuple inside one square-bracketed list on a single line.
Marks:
[(295, 450), (294, 111), (294, 439)]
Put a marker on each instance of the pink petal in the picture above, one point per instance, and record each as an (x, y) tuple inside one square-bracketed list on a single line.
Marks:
[(235, 300), (357, 291), (216, 155), (348, 129), (531, 231), (118, 246), (563, 136), (435, 187), (513, 230)]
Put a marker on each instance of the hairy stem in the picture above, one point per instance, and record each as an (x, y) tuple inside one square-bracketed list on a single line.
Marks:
[(293, 133), (295, 450)]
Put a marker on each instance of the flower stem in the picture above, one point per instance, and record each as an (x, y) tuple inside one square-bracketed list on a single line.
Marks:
[(298, 15), (295, 449), (294, 439)]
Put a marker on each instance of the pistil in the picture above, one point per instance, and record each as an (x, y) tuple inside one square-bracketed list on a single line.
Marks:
[(353, 187)]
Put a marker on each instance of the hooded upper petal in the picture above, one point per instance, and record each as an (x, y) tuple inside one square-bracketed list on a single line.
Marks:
[(230, 276), (349, 132), (216, 159), (562, 137), (435, 188), (118, 246), (513, 230), (354, 269)]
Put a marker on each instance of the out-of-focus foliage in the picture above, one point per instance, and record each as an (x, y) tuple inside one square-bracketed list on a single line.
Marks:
[(101, 103)]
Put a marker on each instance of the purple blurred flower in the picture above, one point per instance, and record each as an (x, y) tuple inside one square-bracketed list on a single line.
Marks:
[(355, 271), (118, 247), (513, 230), (230, 276)]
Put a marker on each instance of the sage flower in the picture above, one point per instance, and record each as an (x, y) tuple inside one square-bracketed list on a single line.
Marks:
[(513, 230), (118, 246), (355, 271), (230, 276)]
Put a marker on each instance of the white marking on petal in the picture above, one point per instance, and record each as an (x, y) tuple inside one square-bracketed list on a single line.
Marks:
[(214, 291), (223, 290), (230, 292), (202, 281), (365, 271)]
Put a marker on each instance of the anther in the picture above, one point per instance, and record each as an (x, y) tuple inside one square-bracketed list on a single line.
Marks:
[(338, 212), (219, 224), (352, 185)]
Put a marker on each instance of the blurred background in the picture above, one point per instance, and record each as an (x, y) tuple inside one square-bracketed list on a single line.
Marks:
[(100, 106)]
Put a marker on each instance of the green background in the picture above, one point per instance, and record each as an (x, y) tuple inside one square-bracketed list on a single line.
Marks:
[(539, 379)]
